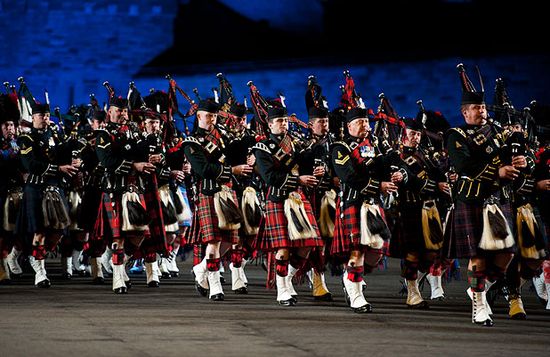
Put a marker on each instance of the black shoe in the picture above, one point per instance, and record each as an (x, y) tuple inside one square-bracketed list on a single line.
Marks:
[(486, 323), (325, 297), (98, 281), (241, 291), (217, 297), (44, 284), (174, 274), (202, 291), (5, 282), (128, 284), (83, 273), (289, 302), (121, 290), (166, 276), (66, 276), (363, 309), (295, 299), (222, 278), (420, 306), (153, 284)]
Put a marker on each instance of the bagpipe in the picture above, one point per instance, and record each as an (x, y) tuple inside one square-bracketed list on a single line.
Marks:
[(173, 89), (388, 127), (432, 144), (25, 101), (260, 106)]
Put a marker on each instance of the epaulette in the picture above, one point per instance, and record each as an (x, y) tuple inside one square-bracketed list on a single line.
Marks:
[(26, 136), (101, 131), (101, 142), (191, 140), (460, 131), (344, 144), (261, 146), (24, 145)]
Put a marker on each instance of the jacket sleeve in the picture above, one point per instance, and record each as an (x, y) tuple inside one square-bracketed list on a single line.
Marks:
[(360, 180), (107, 157), (465, 162), (200, 164), (30, 161), (267, 170)]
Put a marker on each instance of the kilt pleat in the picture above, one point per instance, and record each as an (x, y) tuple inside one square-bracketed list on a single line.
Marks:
[(208, 226), (274, 228), (465, 227), (347, 232)]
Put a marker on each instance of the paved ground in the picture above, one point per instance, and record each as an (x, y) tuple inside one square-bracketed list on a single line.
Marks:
[(76, 318)]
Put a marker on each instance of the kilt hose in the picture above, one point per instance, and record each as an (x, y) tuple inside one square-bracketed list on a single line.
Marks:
[(275, 228), (347, 233), (464, 229), (205, 228)]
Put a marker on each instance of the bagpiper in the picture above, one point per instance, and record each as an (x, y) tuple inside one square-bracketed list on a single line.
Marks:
[(315, 160), (11, 189), (246, 185), (480, 226), (361, 234), (122, 218), (217, 217), (420, 224), (44, 213), (289, 229)]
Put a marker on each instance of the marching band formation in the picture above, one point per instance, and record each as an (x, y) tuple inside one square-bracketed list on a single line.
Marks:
[(105, 185)]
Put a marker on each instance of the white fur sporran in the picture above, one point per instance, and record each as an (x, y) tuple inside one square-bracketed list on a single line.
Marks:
[(488, 240), (75, 200), (11, 209), (131, 196), (166, 199), (299, 226), (326, 220), (225, 198), (374, 241), (250, 205)]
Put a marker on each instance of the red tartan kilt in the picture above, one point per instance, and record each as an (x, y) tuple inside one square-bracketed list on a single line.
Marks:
[(108, 224), (347, 232), (274, 228), (205, 225)]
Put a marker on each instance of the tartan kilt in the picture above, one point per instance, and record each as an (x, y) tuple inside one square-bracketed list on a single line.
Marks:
[(347, 232), (91, 200), (274, 229), (407, 234), (155, 236), (464, 229), (31, 215), (205, 223), (108, 222)]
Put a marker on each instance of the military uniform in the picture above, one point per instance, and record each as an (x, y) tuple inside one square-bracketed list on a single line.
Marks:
[(206, 152), (11, 191), (480, 225), (247, 189), (361, 168), (289, 219), (117, 148), (41, 155), (317, 152), (419, 227)]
